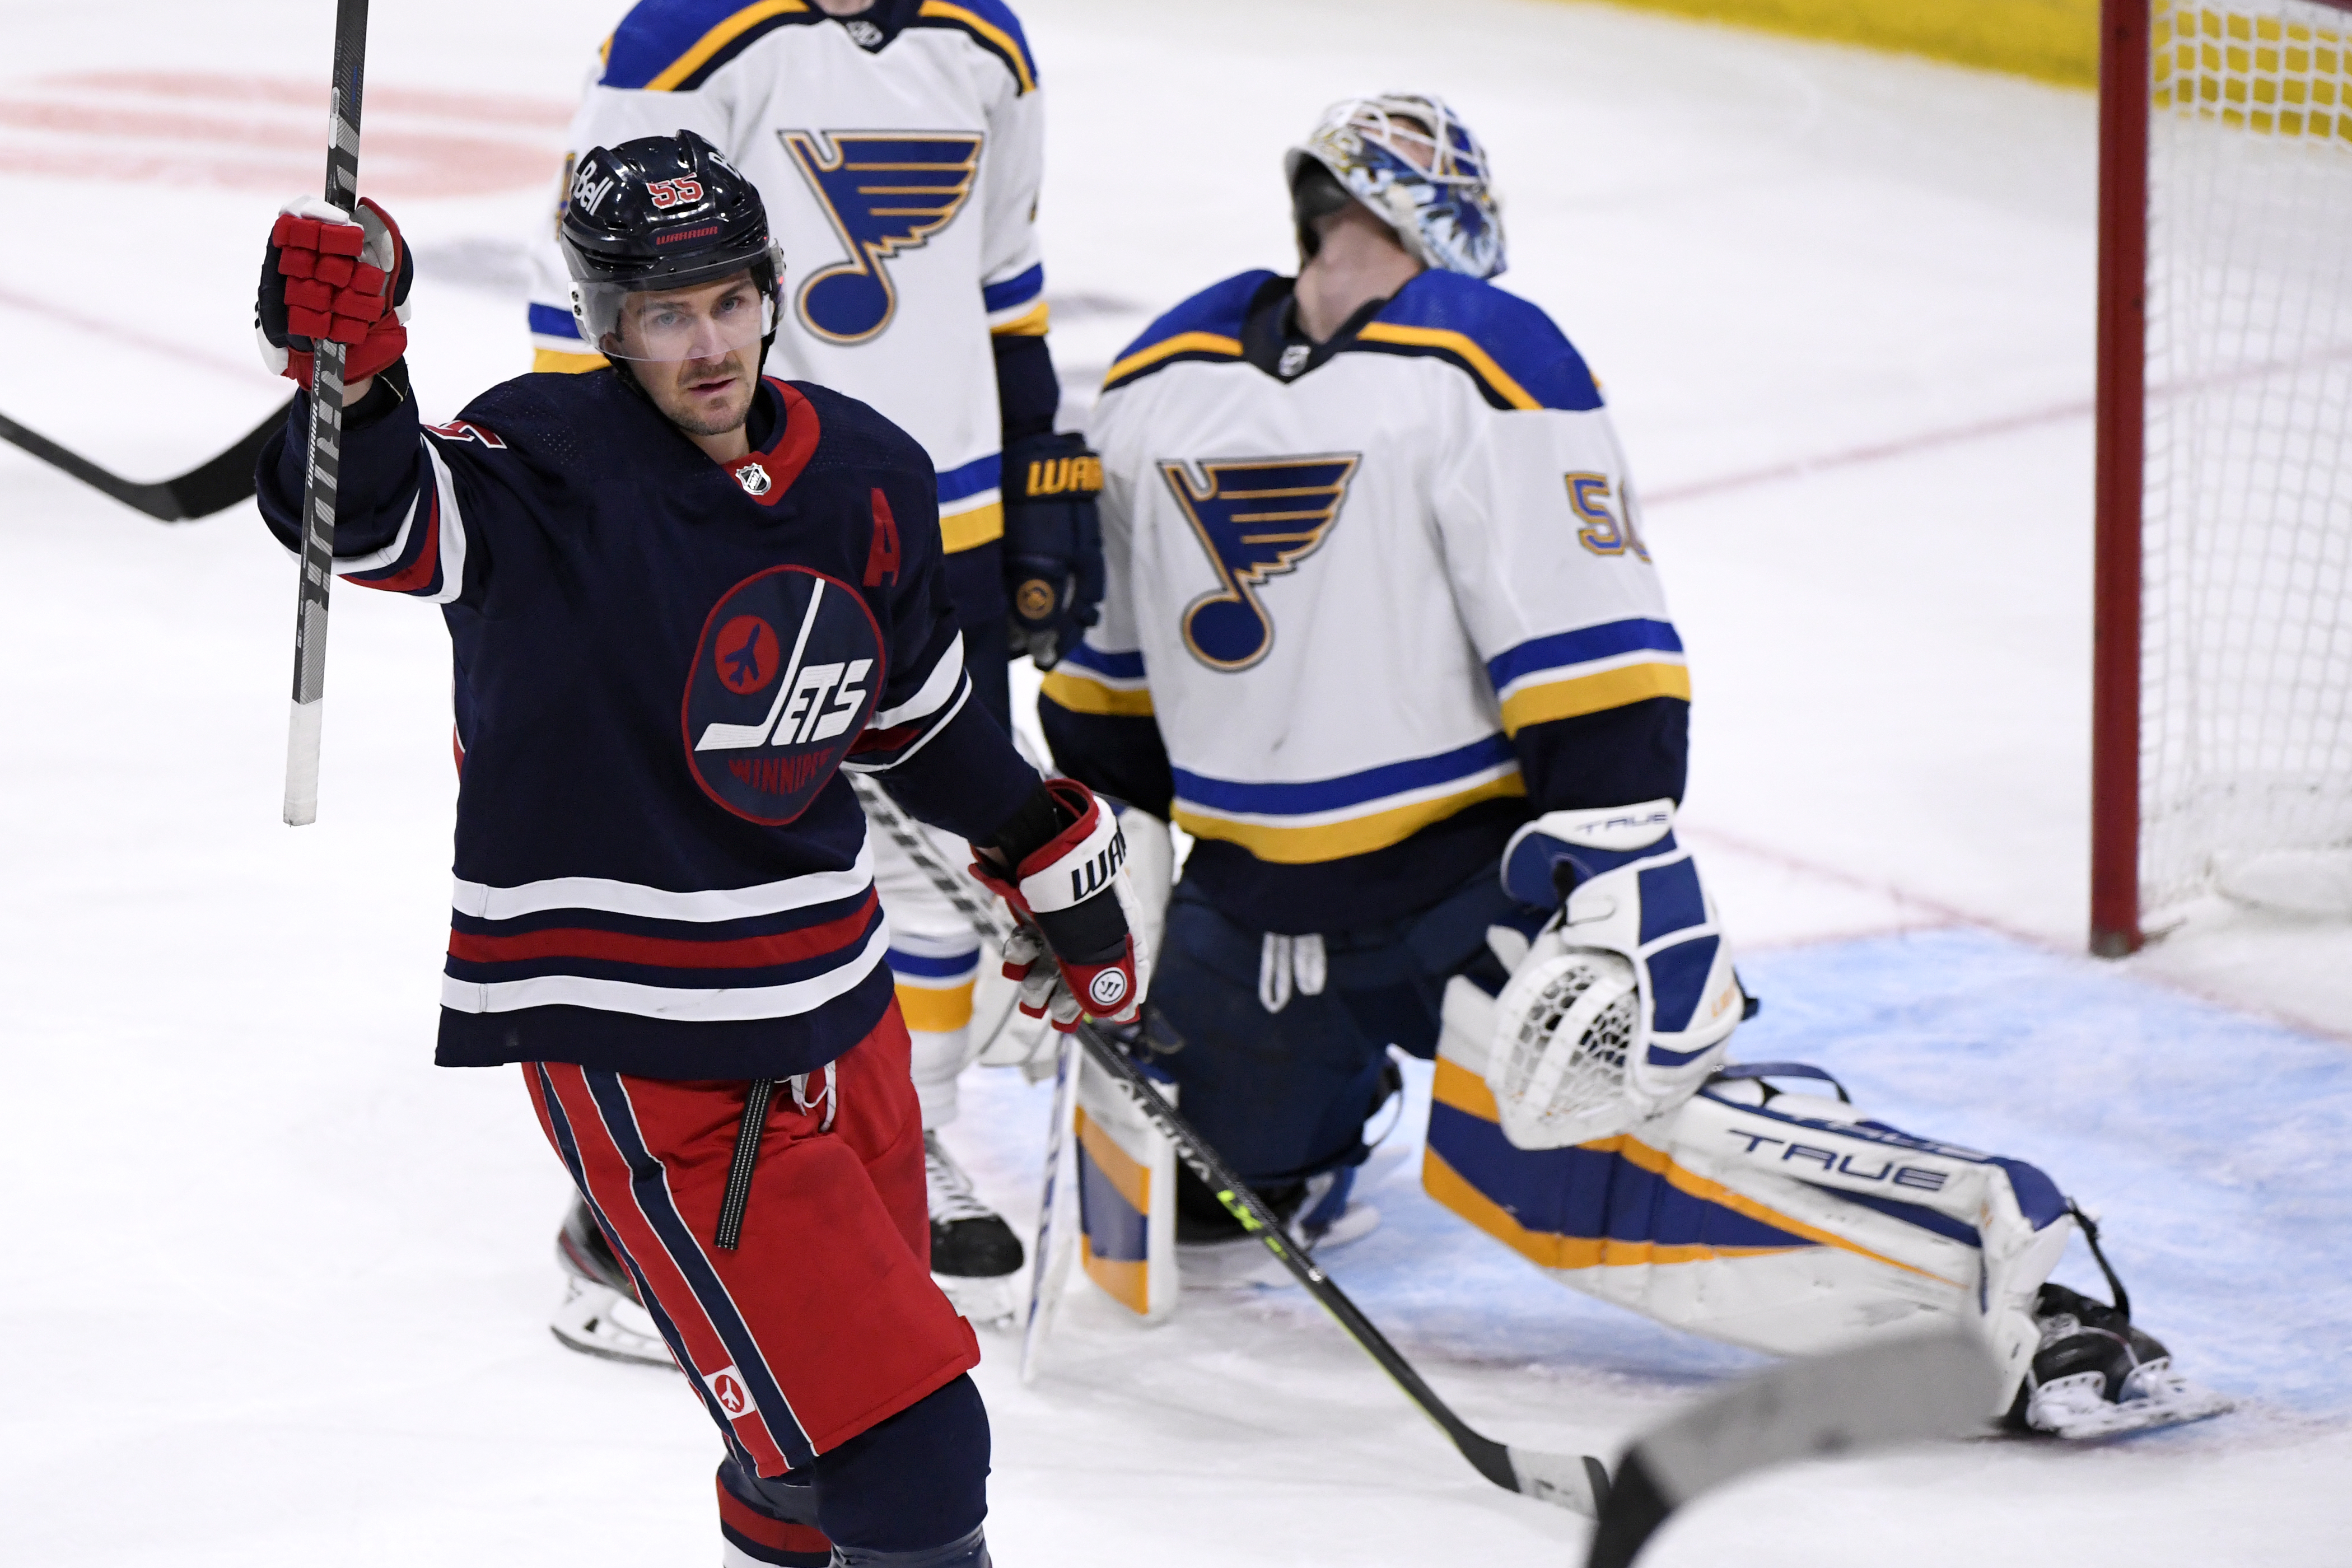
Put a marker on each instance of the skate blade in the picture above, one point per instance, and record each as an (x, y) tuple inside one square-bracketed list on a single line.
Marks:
[(2177, 1405), (990, 1301), (596, 1320)]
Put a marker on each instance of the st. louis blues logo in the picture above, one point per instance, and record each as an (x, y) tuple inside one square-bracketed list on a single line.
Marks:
[(884, 190), (784, 679), (1257, 518)]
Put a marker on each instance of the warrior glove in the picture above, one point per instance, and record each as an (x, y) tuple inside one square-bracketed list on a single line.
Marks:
[(1076, 951), (345, 278), (1052, 543), (1626, 1000)]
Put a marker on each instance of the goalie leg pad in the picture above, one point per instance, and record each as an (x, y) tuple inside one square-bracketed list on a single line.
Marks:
[(1127, 1196)]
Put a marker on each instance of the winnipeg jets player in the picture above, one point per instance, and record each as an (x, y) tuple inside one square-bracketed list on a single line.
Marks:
[(1383, 632), (898, 146), (682, 597)]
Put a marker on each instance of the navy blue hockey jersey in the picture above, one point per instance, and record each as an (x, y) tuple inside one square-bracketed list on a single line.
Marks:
[(662, 663)]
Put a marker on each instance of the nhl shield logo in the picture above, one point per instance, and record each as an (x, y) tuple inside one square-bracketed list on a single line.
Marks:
[(786, 674), (754, 479)]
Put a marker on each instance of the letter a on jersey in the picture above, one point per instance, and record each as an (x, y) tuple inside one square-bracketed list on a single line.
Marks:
[(1257, 520), (884, 190), (784, 679)]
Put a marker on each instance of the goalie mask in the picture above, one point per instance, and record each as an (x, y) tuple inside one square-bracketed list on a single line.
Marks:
[(1418, 168)]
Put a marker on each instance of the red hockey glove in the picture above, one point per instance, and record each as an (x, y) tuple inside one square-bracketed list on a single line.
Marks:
[(1075, 950), (342, 279)]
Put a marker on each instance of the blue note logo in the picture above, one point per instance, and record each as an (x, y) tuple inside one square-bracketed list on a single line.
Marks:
[(766, 728), (884, 192), (1257, 518)]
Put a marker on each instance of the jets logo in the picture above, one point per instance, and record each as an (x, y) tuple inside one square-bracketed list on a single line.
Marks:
[(725, 1386), (1257, 518), (786, 677), (884, 192)]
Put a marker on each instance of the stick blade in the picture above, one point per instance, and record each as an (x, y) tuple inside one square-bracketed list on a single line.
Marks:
[(1577, 1482), (1907, 1389), (302, 729)]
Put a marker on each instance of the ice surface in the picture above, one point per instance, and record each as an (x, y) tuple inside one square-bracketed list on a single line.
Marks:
[(275, 1288)]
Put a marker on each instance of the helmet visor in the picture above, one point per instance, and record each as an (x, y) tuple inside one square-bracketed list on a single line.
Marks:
[(682, 319)]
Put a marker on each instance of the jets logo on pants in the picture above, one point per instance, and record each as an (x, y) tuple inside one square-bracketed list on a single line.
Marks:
[(884, 190), (785, 678), (1257, 520)]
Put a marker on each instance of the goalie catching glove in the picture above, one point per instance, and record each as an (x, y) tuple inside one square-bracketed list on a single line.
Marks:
[(1625, 1000), (1061, 864)]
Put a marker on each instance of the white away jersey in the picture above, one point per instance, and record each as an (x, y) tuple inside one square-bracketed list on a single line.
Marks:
[(899, 162), (1342, 597)]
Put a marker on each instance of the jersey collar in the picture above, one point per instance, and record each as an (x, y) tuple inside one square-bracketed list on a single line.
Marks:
[(764, 474)]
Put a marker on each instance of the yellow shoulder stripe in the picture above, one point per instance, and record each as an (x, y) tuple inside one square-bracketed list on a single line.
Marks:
[(1031, 324), (557, 361), (1582, 694), (1182, 342), (1080, 695), (1480, 361), (718, 37), (986, 29)]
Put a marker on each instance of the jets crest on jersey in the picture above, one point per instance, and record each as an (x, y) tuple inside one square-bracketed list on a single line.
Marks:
[(1279, 519), (898, 156)]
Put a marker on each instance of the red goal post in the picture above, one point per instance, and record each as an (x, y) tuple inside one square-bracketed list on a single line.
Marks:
[(2221, 690)]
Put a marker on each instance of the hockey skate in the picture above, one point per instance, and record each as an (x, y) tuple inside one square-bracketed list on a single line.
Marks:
[(2097, 1376), (600, 1315), (975, 1253), (1214, 1253)]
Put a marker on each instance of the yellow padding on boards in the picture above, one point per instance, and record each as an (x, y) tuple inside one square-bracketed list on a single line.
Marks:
[(1080, 695), (1457, 1087), (1130, 1180), (1582, 694), (934, 1010), (1337, 840), (2052, 40)]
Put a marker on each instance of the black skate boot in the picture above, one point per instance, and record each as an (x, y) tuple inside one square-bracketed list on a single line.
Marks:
[(975, 1253), (2096, 1374), (600, 1314)]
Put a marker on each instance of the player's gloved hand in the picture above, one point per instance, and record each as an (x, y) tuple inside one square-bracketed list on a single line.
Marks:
[(342, 279), (1076, 951), (1052, 543)]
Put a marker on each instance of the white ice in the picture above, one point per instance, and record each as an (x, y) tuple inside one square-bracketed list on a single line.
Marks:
[(275, 1288)]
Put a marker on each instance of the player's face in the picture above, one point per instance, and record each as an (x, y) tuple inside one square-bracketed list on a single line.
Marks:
[(697, 352)]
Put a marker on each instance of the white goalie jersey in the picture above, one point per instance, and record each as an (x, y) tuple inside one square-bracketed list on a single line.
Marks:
[(898, 155)]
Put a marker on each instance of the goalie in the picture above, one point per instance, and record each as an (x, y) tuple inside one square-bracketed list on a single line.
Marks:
[(1382, 634)]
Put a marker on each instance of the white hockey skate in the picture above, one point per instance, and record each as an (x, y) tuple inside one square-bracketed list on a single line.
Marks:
[(2095, 1375), (975, 1256), (600, 1315)]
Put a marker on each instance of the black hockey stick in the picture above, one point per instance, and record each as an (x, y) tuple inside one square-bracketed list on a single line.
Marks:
[(1881, 1393), (326, 440), (213, 485), (1574, 1481)]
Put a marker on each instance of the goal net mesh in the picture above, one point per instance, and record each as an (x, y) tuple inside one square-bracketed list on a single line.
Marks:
[(2246, 534)]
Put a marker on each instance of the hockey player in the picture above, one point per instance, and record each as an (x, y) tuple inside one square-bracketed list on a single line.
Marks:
[(682, 597), (899, 147), (1382, 633)]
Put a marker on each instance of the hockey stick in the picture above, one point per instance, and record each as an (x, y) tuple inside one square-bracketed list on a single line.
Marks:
[(213, 486), (1881, 1393), (1574, 1481), (318, 497), (1049, 1270)]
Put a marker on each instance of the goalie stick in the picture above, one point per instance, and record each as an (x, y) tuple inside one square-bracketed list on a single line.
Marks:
[(318, 499), (1574, 1481), (213, 486)]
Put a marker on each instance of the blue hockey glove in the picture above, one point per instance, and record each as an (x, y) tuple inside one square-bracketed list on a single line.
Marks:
[(1052, 543)]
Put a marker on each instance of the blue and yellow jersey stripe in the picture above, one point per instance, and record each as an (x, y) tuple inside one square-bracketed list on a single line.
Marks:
[(1089, 680), (1015, 307), (1355, 814), (991, 24), (1206, 326), (934, 993), (1518, 359), (673, 46), (1587, 670), (972, 503)]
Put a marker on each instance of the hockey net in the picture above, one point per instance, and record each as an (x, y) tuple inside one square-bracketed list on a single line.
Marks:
[(2244, 748)]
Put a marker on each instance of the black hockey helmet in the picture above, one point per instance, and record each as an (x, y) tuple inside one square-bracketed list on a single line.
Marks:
[(662, 212)]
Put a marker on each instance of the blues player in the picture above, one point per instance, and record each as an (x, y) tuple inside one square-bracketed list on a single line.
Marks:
[(1383, 634), (898, 146), (682, 597)]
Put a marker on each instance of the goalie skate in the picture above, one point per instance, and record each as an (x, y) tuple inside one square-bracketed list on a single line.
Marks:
[(599, 1314), (2095, 1375)]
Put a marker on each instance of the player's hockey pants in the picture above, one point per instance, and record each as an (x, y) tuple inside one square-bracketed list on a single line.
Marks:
[(823, 1324), (1283, 1094)]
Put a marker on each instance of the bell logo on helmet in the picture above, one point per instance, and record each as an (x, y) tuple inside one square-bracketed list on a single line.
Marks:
[(754, 479), (590, 186)]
